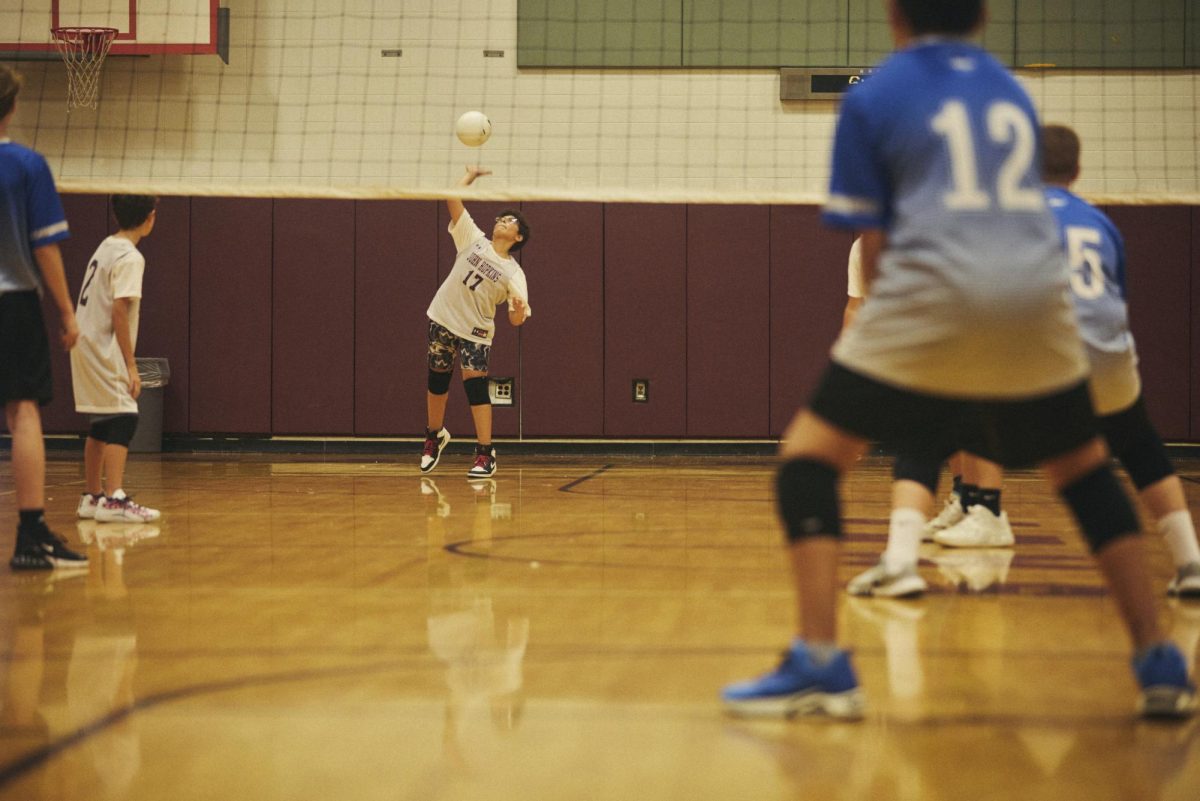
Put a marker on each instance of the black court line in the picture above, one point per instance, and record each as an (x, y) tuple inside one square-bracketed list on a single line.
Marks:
[(588, 477), (35, 759)]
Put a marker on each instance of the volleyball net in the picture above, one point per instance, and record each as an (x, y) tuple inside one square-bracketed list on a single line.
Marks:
[(629, 100)]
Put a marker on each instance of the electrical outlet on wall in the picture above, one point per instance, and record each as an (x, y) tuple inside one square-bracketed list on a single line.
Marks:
[(641, 390)]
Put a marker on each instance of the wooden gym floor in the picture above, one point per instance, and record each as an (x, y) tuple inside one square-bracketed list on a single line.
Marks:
[(300, 628)]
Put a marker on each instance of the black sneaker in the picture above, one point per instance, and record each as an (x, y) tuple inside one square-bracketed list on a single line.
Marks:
[(44, 550), (485, 462)]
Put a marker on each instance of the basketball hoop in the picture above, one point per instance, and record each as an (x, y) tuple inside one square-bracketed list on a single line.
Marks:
[(83, 50)]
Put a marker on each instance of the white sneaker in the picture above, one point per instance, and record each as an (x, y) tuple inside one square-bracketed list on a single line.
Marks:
[(1186, 583), (951, 513), (979, 529), (120, 508), (975, 570), (87, 505), (435, 443), (879, 583)]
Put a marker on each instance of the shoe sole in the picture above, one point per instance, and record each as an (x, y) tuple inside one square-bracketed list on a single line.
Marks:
[(1003, 543), (1185, 593), (849, 705), (908, 587), (1167, 702), (478, 477)]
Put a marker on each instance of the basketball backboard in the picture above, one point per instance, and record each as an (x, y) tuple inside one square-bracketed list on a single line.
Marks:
[(144, 27)]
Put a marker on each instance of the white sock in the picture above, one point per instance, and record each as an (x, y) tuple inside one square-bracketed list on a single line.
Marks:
[(1179, 532), (904, 539)]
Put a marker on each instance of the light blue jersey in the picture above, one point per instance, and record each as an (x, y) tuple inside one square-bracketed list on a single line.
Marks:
[(1096, 256), (939, 149), (31, 215)]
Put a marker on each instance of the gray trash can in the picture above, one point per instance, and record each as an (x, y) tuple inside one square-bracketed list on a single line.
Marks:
[(155, 374)]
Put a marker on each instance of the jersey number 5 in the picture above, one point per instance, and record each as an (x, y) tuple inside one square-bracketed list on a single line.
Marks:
[(1006, 125), (1087, 268), (91, 273)]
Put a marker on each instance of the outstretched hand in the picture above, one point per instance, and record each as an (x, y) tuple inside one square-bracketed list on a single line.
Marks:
[(473, 173)]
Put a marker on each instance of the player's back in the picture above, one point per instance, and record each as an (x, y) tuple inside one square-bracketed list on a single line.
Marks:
[(940, 150), (1096, 256)]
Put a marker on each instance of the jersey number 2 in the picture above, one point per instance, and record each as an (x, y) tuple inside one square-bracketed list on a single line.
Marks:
[(1006, 125), (91, 273)]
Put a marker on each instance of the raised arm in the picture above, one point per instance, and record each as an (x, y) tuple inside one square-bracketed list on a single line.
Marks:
[(454, 204)]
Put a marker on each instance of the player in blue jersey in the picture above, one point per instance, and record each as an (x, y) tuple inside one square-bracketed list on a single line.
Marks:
[(1096, 253), (32, 224), (968, 328)]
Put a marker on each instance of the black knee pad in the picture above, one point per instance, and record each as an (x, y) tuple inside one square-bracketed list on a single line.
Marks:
[(115, 430), (1101, 508), (922, 469), (1133, 439), (439, 383), (477, 391), (808, 499)]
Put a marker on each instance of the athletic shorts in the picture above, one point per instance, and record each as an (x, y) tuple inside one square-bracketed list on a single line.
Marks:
[(24, 349), (444, 346), (1115, 384), (1014, 433)]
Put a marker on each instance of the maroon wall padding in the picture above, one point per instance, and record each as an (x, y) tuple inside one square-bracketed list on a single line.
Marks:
[(312, 313), (728, 321), (808, 296), (1158, 247), (562, 346), (1194, 349), (505, 343), (396, 263), (87, 215), (230, 321), (163, 330), (645, 319)]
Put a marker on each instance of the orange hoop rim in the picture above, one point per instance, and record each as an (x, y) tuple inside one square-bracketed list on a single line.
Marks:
[(77, 35)]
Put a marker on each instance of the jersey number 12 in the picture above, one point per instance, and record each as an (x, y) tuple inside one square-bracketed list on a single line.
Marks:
[(1007, 125)]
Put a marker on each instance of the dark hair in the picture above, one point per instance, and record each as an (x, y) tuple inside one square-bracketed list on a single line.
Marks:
[(942, 16), (522, 228), (10, 87), (132, 210), (1060, 154)]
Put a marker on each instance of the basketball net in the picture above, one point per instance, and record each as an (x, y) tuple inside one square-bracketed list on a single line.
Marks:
[(83, 51)]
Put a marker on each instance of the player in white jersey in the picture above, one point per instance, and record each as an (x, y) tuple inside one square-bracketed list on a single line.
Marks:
[(1097, 279), (462, 322), (103, 366), (32, 224), (967, 328)]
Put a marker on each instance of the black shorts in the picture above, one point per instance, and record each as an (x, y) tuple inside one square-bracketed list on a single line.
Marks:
[(24, 349), (1014, 433)]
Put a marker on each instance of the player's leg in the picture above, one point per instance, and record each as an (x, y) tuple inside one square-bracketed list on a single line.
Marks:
[(93, 464), (475, 359), (1134, 441), (914, 486), (1059, 433), (25, 382), (442, 351), (984, 523), (117, 506), (848, 409), (816, 676)]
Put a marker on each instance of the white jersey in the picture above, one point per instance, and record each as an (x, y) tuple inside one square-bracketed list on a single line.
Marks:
[(98, 371), (480, 280), (854, 272)]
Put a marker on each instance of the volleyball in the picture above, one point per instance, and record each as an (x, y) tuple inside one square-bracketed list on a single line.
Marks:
[(473, 128)]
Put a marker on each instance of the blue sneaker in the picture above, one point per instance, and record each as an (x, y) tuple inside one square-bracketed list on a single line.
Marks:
[(1162, 674), (798, 687)]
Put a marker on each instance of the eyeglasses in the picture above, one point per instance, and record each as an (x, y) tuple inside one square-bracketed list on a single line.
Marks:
[(508, 220)]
